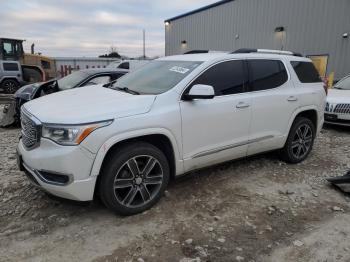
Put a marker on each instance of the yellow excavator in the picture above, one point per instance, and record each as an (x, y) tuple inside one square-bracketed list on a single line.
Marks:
[(18, 68)]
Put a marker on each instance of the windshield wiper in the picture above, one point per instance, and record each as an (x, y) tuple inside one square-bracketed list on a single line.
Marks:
[(127, 90), (110, 84)]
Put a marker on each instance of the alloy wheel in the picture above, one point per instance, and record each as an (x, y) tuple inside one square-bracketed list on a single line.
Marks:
[(302, 141), (10, 87), (138, 181)]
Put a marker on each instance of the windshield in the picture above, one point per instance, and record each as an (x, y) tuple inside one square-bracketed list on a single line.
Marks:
[(157, 76), (71, 80), (343, 84)]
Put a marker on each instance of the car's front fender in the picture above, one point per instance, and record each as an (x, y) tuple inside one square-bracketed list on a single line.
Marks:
[(111, 142)]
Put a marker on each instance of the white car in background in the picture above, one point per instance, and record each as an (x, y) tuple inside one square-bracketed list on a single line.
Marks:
[(338, 103)]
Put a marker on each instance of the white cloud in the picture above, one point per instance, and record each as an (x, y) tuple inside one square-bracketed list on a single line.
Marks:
[(43, 14), (107, 18), (90, 27)]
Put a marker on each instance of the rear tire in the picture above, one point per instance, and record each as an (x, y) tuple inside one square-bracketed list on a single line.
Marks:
[(10, 86), (300, 141), (134, 178)]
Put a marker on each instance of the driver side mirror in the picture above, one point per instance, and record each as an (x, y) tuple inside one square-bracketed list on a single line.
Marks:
[(200, 92)]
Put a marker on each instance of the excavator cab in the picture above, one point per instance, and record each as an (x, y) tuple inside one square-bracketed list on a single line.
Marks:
[(11, 49), (33, 67)]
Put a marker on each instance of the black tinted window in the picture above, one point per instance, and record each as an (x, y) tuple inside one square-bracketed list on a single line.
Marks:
[(226, 78), (45, 64), (124, 65), (116, 76), (10, 66), (306, 72), (266, 74)]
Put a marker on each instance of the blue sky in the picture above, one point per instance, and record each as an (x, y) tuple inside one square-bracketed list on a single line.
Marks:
[(91, 27)]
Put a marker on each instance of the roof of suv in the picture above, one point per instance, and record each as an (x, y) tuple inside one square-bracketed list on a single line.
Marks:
[(194, 57), (203, 57)]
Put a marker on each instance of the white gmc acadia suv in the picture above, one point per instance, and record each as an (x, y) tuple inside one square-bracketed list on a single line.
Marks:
[(169, 117)]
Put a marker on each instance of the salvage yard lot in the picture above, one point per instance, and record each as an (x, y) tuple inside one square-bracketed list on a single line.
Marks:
[(257, 209)]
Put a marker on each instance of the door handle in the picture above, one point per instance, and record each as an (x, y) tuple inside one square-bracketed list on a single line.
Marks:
[(242, 105), (292, 99)]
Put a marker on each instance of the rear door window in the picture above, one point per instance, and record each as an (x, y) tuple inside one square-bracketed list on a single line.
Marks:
[(266, 74), (226, 78), (306, 72)]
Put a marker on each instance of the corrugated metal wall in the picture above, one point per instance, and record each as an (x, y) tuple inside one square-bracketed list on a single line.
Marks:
[(312, 27)]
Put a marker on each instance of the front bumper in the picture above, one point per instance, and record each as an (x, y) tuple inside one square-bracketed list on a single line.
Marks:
[(44, 164), (337, 119)]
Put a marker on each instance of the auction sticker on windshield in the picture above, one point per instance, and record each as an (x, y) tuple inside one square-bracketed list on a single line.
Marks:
[(179, 69)]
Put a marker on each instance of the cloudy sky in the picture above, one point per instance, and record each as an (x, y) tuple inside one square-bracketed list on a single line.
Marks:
[(91, 27)]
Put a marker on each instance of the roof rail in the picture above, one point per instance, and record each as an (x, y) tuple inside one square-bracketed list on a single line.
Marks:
[(196, 52), (265, 51), (204, 52), (245, 51)]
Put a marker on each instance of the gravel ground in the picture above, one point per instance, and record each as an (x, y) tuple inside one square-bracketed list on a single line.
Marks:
[(257, 209)]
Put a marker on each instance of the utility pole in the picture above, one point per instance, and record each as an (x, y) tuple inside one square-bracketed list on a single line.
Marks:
[(32, 49), (144, 44)]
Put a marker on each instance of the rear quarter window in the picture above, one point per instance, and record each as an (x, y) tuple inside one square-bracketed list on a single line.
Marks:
[(306, 72), (10, 66)]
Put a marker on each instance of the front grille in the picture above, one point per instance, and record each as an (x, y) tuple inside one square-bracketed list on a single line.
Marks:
[(342, 109), (30, 131)]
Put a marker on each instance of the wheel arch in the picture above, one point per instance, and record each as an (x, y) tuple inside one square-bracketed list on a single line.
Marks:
[(162, 139), (310, 112), (9, 78)]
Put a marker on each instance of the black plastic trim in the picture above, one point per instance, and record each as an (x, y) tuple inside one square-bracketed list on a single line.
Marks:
[(188, 97), (196, 52), (245, 51)]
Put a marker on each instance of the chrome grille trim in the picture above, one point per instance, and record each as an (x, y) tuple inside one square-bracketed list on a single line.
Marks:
[(31, 130), (342, 109)]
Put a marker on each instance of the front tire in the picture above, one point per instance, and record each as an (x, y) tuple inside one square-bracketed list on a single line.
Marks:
[(134, 178), (300, 141)]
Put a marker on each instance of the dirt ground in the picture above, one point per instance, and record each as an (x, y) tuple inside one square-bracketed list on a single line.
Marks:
[(257, 209)]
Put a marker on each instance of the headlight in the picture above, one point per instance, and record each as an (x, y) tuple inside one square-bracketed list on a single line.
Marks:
[(70, 134)]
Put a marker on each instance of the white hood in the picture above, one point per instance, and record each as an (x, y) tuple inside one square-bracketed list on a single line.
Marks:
[(88, 104), (338, 96)]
